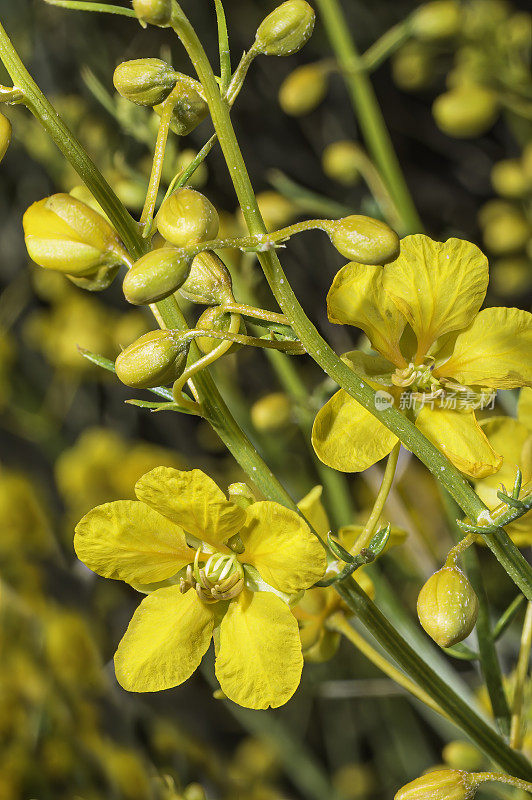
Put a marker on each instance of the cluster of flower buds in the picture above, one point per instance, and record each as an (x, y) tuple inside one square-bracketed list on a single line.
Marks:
[(185, 218), (447, 606), (154, 83), (5, 135), (286, 30), (66, 235)]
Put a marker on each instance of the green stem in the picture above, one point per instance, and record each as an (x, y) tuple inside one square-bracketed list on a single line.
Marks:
[(407, 658), (386, 45), (380, 500), (500, 544), (483, 777), (368, 112), (521, 671), (489, 661), (339, 623)]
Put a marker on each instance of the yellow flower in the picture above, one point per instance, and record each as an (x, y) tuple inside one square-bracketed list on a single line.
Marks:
[(512, 438), (177, 544), (439, 357)]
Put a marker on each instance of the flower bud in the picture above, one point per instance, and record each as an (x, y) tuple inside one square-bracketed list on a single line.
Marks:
[(509, 179), (5, 135), (364, 239), (447, 606), (153, 12), (272, 412), (96, 281), (466, 111), (439, 19), (286, 29), (66, 235), (156, 359), (186, 218), (208, 282), (156, 275), (442, 784), (190, 106), (216, 319), (463, 755), (303, 90), (144, 81), (341, 162)]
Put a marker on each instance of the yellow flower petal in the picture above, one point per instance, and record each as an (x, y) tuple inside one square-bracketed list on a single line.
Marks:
[(524, 407), (313, 510), (373, 369), (259, 661), (513, 441), (438, 286), (495, 351), (348, 438), (127, 540), (192, 500), (166, 639), (357, 298), (279, 543), (459, 436)]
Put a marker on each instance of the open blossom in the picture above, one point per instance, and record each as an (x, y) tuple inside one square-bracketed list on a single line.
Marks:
[(210, 568), (435, 349)]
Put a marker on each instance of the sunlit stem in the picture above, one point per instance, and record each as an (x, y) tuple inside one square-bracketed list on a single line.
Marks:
[(382, 495), (79, 5), (157, 167), (256, 313), (207, 359), (291, 347), (183, 176), (379, 190), (499, 777), (521, 672), (339, 623), (455, 552), (239, 76), (11, 95)]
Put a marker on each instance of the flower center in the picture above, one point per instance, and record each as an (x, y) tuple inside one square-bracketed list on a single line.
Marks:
[(220, 578), (424, 387)]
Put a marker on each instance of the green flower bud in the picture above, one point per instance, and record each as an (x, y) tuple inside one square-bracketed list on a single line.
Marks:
[(5, 135), (510, 276), (153, 12), (364, 239), (447, 606), (303, 90), (341, 162), (144, 81), (509, 179), (215, 319), (208, 282), (186, 218), (190, 106), (466, 111), (507, 233), (443, 784), (156, 359), (286, 29), (463, 755), (272, 412), (439, 19), (66, 235), (156, 275)]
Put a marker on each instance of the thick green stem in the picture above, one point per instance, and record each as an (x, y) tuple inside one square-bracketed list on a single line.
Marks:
[(501, 545), (368, 111), (521, 672), (407, 658)]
